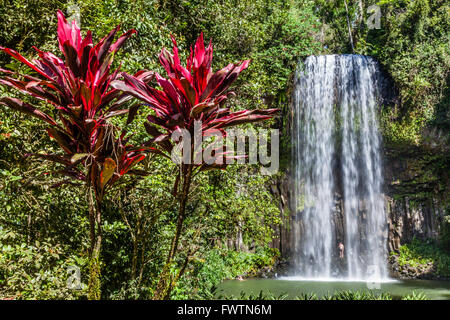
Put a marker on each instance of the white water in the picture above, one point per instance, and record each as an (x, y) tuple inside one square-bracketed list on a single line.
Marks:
[(306, 279), (337, 154)]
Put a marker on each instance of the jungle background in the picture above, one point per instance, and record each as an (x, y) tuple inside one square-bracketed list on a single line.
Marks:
[(232, 214)]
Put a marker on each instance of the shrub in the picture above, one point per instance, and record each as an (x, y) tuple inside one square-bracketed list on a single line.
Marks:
[(417, 253), (38, 270)]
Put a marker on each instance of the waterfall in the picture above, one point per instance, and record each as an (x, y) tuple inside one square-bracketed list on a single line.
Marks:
[(338, 169)]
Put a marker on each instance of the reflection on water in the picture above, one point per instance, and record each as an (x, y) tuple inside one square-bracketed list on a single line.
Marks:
[(434, 290)]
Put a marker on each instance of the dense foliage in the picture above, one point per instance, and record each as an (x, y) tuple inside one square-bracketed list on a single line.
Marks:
[(411, 42), (139, 217), (190, 106), (420, 253), (78, 88), (231, 214)]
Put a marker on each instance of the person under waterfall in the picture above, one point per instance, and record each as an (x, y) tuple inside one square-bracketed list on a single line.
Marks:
[(341, 250)]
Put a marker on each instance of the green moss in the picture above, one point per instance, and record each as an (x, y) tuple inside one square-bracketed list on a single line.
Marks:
[(94, 291)]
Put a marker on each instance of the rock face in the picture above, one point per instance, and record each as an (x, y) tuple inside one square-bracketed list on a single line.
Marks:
[(415, 208), (408, 219), (415, 197), (283, 239)]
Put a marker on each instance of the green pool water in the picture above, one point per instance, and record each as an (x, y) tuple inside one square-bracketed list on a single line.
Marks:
[(435, 290)]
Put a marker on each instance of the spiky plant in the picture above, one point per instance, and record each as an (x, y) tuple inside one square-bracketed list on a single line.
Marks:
[(78, 86), (191, 96)]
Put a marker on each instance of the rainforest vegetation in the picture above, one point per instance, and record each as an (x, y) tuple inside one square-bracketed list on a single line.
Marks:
[(143, 227)]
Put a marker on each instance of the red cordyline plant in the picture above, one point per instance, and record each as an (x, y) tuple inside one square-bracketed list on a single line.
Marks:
[(79, 89), (190, 95)]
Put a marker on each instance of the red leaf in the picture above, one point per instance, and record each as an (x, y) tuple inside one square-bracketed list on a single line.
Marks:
[(189, 94), (18, 57), (27, 108)]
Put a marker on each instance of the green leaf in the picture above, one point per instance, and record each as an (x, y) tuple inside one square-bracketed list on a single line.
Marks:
[(108, 170), (78, 156)]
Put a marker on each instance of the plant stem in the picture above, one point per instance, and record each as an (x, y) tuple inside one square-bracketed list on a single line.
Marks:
[(349, 28), (164, 286)]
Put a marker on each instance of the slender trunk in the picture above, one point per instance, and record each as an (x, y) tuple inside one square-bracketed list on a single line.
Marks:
[(94, 289), (164, 286), (349, 28), (137, 238), (141, 271), (360, 34), (183, 269), (179, 275), (182, 211), (322, 32), (361, 12), (29, 228), (134, 260)]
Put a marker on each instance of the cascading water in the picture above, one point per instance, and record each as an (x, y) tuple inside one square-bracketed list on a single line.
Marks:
[(338, 171)]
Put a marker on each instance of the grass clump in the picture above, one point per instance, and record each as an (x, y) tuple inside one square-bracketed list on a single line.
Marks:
[(339, 295)]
